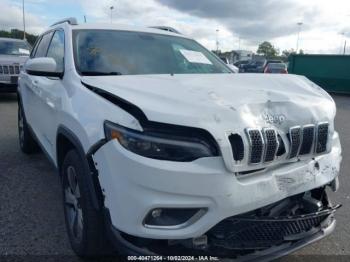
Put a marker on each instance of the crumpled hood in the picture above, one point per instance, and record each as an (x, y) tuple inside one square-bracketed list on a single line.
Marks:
[(231, 101), (12, 59)]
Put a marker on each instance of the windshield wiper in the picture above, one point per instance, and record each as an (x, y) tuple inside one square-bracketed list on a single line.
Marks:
[(98, 73)]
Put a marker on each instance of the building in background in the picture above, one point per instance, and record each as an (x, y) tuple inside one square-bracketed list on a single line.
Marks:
[(237, 55)]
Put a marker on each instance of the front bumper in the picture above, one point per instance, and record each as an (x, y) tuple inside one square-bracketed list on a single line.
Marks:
[(133, 186), (325, 220), (8, 83)]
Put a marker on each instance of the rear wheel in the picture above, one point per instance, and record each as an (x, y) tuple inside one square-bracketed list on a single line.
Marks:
[(84, 223), (27, 142)]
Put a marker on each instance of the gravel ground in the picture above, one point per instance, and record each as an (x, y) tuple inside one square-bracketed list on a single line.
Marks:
[(31, 214)]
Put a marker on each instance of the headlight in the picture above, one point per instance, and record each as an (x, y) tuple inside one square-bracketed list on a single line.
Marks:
[(160, 146)]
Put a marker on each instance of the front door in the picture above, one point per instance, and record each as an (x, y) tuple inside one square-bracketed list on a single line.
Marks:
[(50, 90)]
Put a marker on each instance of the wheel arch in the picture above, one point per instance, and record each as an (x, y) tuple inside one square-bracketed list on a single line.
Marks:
[(66, 140)]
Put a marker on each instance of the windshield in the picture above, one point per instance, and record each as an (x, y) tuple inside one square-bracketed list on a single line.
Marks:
[(111, 52), (14, 48)]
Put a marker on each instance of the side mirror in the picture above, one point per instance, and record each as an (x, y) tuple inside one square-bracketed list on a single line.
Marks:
[(43, 66)]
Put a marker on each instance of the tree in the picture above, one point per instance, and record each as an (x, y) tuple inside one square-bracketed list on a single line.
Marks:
[(267, 49), (287, 53), (15, 33)]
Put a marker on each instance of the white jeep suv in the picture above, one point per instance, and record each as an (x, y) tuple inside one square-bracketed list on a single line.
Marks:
[(162, 149)]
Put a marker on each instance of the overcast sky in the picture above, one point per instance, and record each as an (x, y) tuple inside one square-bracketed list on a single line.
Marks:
[(251, 21)]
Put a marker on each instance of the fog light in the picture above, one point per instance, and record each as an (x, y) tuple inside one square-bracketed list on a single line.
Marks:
[(156, 213), (172, 217)]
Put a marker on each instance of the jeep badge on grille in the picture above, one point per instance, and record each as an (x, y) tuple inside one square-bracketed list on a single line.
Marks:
[(273, 119)]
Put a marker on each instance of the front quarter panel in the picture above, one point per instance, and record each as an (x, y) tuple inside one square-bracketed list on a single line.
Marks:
[(84, 113)]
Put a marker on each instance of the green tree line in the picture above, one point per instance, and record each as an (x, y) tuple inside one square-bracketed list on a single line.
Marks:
[(18, 34), (269, 51)]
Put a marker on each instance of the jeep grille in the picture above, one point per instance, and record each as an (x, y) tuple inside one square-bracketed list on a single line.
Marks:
[(322, 138), (272, 144), (9, 69), (256, 145), (266, 144), (308, 140), (295, 141)]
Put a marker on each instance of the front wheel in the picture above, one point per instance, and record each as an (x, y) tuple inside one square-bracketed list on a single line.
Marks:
[(84, 223)]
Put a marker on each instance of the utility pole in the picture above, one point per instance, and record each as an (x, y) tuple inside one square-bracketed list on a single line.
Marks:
[(342, 35), (298, 39), (345, 42), (217, 41), (24, 22), (111, 8), (345, 47)]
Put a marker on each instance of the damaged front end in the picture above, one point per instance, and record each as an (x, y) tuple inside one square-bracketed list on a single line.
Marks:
[(266, 233), (286, 222)]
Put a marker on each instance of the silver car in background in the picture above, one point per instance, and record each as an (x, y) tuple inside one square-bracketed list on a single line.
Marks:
[(13, 54)]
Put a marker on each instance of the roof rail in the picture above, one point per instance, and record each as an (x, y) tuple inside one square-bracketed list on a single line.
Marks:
[(69, 20), (166, 28)]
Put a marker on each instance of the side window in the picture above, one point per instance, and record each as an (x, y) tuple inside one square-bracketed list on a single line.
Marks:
[(32, 54), (43, 45), (56, 49)]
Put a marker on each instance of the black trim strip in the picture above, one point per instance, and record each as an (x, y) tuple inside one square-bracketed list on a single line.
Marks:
[(94, 172), (94, 148), (47, 74), (127, 106), (124, 247)]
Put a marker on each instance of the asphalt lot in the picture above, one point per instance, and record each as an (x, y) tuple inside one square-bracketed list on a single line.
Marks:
[(31, 213)]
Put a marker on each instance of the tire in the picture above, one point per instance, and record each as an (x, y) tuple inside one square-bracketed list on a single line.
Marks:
[(27, 142), (85, 224)]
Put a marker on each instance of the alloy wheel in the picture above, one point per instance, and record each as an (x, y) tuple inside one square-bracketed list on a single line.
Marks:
[(72, 203)]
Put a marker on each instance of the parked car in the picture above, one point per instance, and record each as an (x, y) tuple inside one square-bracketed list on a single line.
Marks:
[(271, 62), (255, 66), (272, 68), (13, 54), (239, 63), (161, 149)]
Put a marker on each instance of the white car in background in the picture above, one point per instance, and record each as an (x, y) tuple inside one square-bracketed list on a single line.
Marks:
[(13, 54), (162, 149), (233, 68)]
